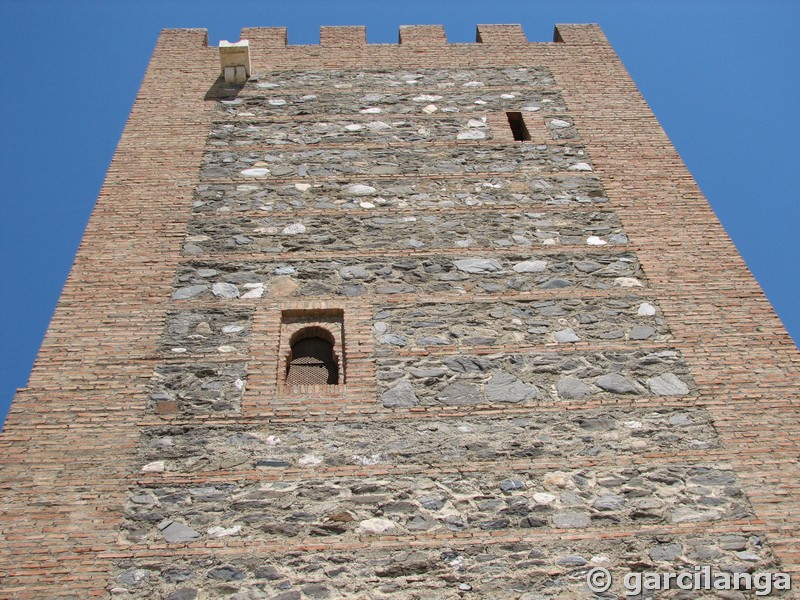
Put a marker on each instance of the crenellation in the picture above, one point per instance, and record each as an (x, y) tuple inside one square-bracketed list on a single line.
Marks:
[(422, 35), (511, 35), (342, 37)]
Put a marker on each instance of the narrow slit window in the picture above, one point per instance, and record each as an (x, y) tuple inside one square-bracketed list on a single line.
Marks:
[(518, 127)]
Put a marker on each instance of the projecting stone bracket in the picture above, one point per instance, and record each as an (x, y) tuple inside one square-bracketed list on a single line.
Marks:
[(234, 59)]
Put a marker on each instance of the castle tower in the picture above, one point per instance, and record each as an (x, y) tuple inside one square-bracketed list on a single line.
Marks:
[(422, 320)]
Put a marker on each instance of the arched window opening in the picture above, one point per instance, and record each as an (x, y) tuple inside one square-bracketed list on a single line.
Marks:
[(312, 360)]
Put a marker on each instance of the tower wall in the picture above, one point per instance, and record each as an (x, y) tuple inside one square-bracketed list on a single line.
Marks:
[(550, 354)]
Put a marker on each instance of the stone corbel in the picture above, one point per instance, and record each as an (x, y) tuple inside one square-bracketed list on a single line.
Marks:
[(234, 59)]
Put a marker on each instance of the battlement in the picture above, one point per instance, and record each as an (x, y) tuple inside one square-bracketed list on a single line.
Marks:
[(355, 36)]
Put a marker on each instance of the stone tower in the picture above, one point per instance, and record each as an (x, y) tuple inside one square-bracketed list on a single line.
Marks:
[(414, 320)]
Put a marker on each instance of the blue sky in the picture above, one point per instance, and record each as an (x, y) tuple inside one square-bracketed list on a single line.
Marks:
[(722, 76)]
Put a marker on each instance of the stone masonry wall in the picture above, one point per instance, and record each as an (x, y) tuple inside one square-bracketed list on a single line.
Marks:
[(276, 485), (541, 372)]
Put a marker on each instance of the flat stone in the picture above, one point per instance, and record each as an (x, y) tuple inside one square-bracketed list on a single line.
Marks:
[(571, 387), (646, 310), (157, 466), (272, 463), (504, 387), (680, 420), (509, 485), (543, 498), (749, 556), (400, 396), (616, 384), (732, 542), (393, 339), (689, 515), (358, 189), (666, 552), (609, 502), (460, 393), (420, 523), (560, 123), (294, 229), (667, 384), (494, 525), (257, 172), (227, 574), (223, 289), (183, 594), (627, 282), (267, 572), (593, 240), (556, 283), (581, 166), (176, 533), (316, 590), (555, 479), (597, 423), (291, 595), (471, 134), (566, 336), (355, 272), (353, 290), (427, 372), (189, 292), (224, 531), (641, 332), (588, 266), (530, 266), (283, 286), (478, 265), (376, 526), (571, 520), (571, 561), (133, 576), (432, 341)]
